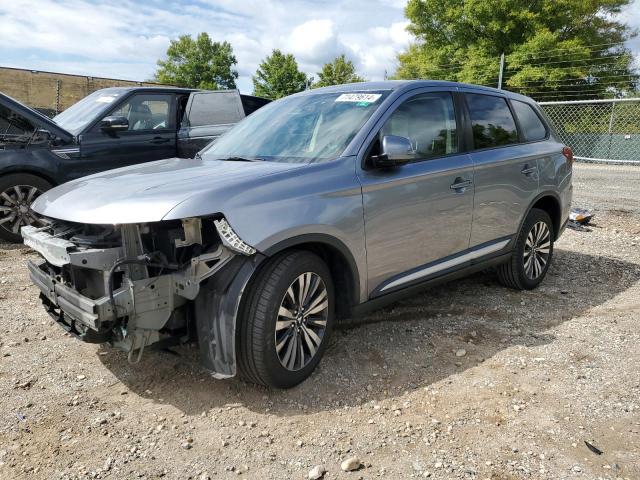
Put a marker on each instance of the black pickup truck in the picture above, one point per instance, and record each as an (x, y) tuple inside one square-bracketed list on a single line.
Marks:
[(111, 128)]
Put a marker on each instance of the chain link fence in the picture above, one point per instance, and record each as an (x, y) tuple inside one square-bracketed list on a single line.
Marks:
[(600, 131)]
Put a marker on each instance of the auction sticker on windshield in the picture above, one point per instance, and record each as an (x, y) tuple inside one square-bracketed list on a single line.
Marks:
[(364, 98)]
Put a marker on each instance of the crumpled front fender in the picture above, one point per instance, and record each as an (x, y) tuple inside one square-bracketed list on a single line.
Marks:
[(216, 314)]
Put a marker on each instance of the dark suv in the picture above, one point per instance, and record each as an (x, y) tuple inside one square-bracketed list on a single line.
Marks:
[(318, 206), (111, 128)]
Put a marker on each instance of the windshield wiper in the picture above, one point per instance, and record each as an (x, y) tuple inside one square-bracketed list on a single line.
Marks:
[(197, 156), (241, 159)]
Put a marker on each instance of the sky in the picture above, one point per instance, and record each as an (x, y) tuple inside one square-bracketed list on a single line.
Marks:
[(124, 39)]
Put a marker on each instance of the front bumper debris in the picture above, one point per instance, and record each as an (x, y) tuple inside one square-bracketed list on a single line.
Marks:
[(90, 313), (130, 295), (150, 301)]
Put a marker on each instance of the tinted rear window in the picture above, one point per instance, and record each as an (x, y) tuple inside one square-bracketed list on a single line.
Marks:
[(251, 104), (491, 120), (530, 123), (215, 108)]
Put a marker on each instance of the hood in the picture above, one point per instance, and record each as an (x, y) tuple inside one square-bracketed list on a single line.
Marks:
[(149, 191), (37, 119)]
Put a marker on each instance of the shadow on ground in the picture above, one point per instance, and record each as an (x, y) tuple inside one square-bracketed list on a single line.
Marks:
[(408, 345)]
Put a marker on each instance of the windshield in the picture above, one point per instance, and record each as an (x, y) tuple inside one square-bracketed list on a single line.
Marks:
[(306, 128), (75, 118)]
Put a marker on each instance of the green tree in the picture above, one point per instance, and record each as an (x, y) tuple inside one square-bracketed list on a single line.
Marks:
[(551, 47), (337, 72), (278, 76), (199, 63)]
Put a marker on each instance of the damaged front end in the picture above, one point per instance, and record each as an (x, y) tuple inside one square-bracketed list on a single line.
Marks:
[(136, 285)]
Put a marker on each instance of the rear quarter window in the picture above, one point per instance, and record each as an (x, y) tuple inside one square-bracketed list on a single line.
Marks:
[(532, 127), (491, 121), (215, 108)]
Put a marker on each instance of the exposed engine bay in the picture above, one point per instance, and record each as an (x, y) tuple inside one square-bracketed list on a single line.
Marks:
[(135, 285)]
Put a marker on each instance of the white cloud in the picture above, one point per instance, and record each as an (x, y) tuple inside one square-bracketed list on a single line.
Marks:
[(314, 40), (631, 16), (124, 39)]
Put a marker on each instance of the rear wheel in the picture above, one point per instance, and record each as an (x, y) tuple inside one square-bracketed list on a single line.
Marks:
[(17, 193), (532, 253), (286, 320)]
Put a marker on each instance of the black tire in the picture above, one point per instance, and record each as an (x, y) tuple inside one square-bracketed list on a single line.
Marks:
[(25, 182), (513, 273), (257, 359)]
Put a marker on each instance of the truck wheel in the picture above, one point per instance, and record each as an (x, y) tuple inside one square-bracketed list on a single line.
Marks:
[(532, 253), (17, 193), (286, 320)]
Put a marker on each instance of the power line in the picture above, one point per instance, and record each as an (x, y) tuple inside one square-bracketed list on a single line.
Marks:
[(554, 92), (565, 95), (570, 50), (584, 46), (596, 79), (584, 86), (583, 67), (538, 57), (577, 60), (596, 62)]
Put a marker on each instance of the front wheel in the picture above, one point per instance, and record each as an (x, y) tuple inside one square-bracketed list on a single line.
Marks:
[(286, 320), (532, 253), (17, 192)]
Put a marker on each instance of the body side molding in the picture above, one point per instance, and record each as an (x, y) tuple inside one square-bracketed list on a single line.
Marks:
[(446, 263)]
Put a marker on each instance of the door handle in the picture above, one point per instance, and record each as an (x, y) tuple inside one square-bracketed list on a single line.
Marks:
[(159, 140), (460, 184), (527, 170)]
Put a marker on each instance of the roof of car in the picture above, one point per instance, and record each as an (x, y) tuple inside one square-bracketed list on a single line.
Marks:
[(169, 89), (151, 89), (405, 85)]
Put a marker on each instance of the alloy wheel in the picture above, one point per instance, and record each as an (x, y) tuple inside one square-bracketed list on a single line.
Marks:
[(302, 321), (536, 250), (15, 207)]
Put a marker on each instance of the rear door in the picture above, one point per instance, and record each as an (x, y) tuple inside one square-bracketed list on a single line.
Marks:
[(505, 168), (418, 214), (151, 135), (207, 116)]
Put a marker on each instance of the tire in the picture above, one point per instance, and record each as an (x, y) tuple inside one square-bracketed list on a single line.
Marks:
[(274, 287), (17, 193), (524, 270)]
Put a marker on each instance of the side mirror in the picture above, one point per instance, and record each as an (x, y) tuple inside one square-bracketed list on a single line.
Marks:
[(114, 123), (396, 151)]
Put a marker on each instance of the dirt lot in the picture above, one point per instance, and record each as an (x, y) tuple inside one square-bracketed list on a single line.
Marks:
[(468, 380)]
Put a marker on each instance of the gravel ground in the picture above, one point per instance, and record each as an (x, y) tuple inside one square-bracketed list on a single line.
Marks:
[(468, 380), (607, 187)]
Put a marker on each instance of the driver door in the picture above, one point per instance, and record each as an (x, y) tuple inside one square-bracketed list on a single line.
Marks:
[(151, 135), (419, 214)]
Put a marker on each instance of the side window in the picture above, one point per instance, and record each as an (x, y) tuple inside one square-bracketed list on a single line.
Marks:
[(532, 127), (428, 121), (491, 121), (146, 112), (215, 108)]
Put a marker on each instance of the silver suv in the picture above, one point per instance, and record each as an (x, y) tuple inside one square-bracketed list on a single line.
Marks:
[(316, 207)]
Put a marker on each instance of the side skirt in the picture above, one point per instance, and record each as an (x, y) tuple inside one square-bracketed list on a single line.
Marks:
[(383, 300)]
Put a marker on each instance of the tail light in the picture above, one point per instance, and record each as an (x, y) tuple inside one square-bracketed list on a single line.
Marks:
[(568, 154)]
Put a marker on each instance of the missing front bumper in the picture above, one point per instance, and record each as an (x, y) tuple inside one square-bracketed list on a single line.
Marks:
[(75, 281)]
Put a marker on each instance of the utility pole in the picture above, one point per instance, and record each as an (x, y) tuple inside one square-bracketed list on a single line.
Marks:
[(501, 71)]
